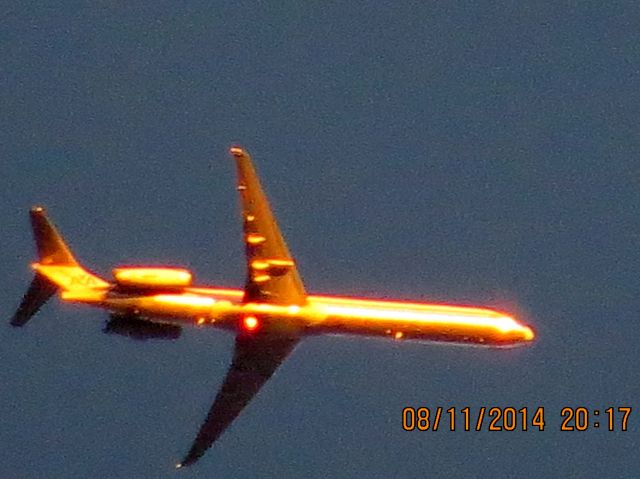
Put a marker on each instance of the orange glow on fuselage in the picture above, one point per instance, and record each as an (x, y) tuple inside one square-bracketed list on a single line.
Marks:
[(222, 307), (184, 300)]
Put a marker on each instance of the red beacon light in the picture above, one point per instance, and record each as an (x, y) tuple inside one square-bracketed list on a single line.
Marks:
[(250, 323)]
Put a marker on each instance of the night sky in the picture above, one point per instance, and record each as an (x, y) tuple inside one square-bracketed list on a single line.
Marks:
[(466, 152)]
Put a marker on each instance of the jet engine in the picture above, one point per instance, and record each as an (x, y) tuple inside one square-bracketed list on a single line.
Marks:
[(136, 328), (155, 277)]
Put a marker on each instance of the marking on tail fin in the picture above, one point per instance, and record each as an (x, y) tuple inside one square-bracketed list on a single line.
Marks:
[(83, 279), (70, 277)]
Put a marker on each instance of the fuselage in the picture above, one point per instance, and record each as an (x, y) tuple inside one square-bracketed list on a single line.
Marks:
[(224, 308)]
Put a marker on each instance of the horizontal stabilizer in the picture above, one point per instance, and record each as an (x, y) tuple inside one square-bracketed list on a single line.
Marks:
[(38, 293)]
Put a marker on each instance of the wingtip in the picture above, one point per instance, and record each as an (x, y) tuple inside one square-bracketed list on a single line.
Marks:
[(237, 151), (186, 462), (15, 322)]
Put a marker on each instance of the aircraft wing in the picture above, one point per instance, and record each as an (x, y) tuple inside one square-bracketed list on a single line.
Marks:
[(254, 361), (272, 276)]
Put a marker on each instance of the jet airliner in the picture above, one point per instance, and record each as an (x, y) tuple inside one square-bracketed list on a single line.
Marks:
[(269, 316)]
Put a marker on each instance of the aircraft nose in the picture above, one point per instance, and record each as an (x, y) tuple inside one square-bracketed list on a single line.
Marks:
[(527, 333)]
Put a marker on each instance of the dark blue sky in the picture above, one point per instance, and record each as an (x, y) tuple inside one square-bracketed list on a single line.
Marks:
[(468, 153)]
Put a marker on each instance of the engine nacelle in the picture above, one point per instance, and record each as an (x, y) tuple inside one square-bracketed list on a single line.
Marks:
[(141, 277), (136, 328)]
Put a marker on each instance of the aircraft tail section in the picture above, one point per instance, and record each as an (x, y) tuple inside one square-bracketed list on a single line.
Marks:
[(51, 247), (56, 269)]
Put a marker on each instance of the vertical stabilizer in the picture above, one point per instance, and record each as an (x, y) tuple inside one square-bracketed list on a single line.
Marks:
[(50, 245)]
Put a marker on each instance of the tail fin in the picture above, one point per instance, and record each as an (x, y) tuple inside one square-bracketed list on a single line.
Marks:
[(51, 247), (56, 269)]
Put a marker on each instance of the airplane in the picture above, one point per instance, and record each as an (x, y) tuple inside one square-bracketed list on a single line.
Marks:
[(269, 317)]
